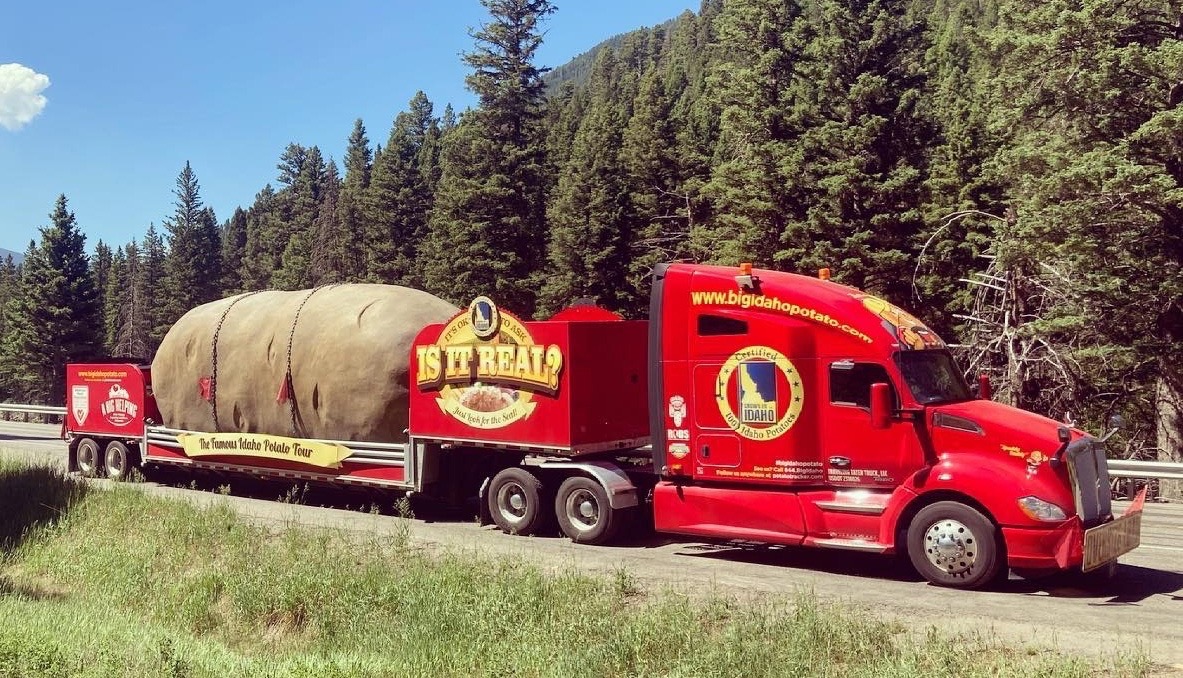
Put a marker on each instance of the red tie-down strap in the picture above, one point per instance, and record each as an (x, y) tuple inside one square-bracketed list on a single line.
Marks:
[(205, 386), (285, 389)]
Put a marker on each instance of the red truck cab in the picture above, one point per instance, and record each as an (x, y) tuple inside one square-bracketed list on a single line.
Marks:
[(795, 410)]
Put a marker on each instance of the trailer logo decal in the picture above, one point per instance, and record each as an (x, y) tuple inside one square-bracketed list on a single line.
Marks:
[(485, 318), (80, 403), (912, 333), (487, 381), (118, 407), (677, 409), (759, 393)]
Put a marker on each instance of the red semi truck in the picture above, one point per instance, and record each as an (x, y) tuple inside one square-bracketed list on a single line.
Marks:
[(753, 405)]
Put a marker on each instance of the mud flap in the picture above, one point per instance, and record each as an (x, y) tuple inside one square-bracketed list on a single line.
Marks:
[(485, 518)]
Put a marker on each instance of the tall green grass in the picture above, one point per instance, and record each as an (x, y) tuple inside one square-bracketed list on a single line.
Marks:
[(117, 583), (32, 497)]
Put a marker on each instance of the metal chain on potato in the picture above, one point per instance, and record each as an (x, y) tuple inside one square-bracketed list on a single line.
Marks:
[(213, 381), (291, 338)]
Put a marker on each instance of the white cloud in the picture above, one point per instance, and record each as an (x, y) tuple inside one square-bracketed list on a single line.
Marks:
[(20, 95)]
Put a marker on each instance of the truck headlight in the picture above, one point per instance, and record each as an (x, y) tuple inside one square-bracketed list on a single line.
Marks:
[(1043, 511)]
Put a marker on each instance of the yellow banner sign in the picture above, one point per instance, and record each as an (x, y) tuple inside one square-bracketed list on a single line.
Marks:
[(325, 455)]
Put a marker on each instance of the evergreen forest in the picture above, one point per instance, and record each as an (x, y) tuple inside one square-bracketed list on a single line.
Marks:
[(1011, 171)]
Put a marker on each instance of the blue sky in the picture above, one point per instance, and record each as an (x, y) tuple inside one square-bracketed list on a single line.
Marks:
[(135, 89)]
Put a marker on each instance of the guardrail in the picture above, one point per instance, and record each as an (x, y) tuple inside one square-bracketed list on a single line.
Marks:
[(33, 409), (1118, 468), (1130, 468)]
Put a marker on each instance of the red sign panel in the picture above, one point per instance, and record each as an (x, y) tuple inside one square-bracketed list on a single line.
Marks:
[(106, 399), (568, 386)]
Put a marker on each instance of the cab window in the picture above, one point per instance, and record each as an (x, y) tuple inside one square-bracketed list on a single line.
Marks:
[(720, 326), (850, 383)]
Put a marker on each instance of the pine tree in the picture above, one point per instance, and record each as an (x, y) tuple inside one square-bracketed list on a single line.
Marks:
[(350, 250), (263, 241), (488, 228), (399, 198), (960, 193), (233, 236), (304, 174), (193, 264), (659, 205), (113, 294), (9, 279), (100, 265), (53, 318), (151, 281), (1088, 99), (131, 334), (754, 188), (861, 159), (588, 250), (329, 239)]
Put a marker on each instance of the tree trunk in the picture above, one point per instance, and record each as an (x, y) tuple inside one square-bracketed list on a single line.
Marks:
[(1168, 409)]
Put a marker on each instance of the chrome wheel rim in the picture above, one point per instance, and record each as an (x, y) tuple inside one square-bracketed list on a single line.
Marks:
[(87, 457), (115, 464), (951, 546), (512, 503), (583, 510)]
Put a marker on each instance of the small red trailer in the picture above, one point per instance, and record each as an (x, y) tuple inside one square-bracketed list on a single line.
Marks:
[(752, 405)]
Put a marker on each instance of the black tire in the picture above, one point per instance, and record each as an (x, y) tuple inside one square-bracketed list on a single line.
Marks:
[(87, 456), (583, 511), (951, 544), (118, 461), (515, 502)]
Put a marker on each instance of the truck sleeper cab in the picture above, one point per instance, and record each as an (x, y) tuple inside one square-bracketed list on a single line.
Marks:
[(819, 415)]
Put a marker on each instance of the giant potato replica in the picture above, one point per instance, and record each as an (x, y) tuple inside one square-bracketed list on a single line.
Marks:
[(329, 363)]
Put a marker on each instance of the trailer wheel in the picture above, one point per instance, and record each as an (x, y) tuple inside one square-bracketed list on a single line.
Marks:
[(584, 513), (951, 544), (118, 461), (515, 498), (87, 454)]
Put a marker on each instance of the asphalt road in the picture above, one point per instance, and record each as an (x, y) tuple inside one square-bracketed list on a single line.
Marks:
[(1141, 611)]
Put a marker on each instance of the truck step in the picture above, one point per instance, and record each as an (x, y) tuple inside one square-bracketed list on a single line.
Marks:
[(848, 545)]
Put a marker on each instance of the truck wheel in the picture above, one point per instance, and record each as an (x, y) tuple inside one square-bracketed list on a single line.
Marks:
[(951, 544), (515, 498), (584, 513), (87, 454), (118, 461)]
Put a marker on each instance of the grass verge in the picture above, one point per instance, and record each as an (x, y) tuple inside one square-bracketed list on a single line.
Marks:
[(117, 583)]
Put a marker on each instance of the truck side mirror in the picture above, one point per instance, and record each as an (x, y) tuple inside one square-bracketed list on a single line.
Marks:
[(881, 405), (984, 391)]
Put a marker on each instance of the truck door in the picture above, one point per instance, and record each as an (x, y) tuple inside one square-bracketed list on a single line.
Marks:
[(854, 453), (753, 416), (714, 445)]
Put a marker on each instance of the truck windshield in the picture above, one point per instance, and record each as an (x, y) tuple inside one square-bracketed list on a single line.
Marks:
[(932, 376)]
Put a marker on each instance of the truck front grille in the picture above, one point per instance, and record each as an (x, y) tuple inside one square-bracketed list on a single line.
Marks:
[(1090, 480)]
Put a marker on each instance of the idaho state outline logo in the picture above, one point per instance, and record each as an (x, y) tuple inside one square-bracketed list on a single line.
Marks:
[(759, 393), (487, 368)]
